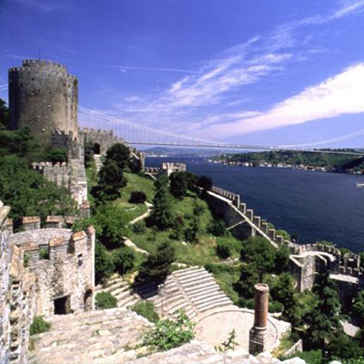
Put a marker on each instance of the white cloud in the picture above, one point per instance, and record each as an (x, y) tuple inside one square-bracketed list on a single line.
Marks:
[(339, 95)]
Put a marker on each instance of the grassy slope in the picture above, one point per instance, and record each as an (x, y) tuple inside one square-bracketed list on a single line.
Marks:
[(200, 253)]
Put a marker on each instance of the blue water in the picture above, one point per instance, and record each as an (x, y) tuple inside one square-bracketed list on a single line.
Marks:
[(312, 205)]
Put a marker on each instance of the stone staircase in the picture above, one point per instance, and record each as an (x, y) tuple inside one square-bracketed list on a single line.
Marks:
[(195, 352), (92, 337), (121, 290), (192, 289)]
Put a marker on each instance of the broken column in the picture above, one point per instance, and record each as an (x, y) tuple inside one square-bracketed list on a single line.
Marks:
[(257, 334)]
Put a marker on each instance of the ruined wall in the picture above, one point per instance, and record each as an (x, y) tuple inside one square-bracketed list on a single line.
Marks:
[(105, 138), (30, 281), (5, 258), (44, 97), (71, 175), (305, 260)]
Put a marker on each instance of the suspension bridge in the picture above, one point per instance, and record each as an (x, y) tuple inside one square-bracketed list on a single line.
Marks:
[(136, 134)]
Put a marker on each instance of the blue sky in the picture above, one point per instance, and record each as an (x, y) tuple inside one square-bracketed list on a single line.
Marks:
[(263, 72)]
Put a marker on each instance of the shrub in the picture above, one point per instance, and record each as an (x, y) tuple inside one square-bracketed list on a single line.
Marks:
[(217, 228), (169, 334), (137, 197), (105, 300), (39, 325), (224, 249), (275, 306), (43, 253), (104, 265), (26, 260), (139, 227), (146, 309), (123, 259)]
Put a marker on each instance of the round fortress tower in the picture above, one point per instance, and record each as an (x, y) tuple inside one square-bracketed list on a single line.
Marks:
[(44, 97)]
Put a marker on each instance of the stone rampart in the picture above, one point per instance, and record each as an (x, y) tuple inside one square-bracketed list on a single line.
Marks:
[(42, 272), (71, 175), (305, 260)]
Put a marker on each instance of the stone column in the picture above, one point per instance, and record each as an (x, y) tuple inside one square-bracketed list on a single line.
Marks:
[(257, 334)]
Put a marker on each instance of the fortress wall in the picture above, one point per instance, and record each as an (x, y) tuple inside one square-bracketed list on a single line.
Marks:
[(43, 96), (31, 281), (71, 175), (5, 257)]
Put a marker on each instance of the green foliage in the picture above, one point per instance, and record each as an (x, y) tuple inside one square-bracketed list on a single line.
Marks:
[(354, 361), (56, 155), (344, 347), (139, 227), (4, 115), (191, 232), (226, 247), (39, 325), (358, 307), (323, 322), (205, 183), (146, 309), (229, 344), (104, 265), (178, 184), (217, 228), (284, 234), (335, 162), (248, 278), (158, 265), (161, 216), (275, 306), (26, 260), (259, 252), (110, 222), (118, 153), (104, 300), (281, 260), (137, 197), (168, 334), (29, 193), (111, 180), (123, 259), (43, 253), (310, 357)]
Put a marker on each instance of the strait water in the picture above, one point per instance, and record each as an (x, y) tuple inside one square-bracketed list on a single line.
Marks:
[(312, 205)]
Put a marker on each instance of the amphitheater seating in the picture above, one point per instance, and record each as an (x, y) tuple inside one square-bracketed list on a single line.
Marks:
[(120, 289), (89, 338)]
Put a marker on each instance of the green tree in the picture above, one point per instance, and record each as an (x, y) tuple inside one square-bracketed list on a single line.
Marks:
[(120, 154), (111, 180), (157, 266), (258, 251), (29, 193), (358, 308), (178, 185), (248, 278), (324, 321), (4, 115), (123, 259), (281, 261), (162, 216), (205, 183), (104, 265)]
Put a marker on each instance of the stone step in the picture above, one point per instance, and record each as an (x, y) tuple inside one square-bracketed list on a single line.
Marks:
[(203, 289), (201, 300), (191, 273), (197, 282), (186, 270), (214, 304), (204, 298), (127, 302)]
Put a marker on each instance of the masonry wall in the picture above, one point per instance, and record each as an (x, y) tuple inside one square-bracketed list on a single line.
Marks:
[(30, 282), (44, 97), (5, 258)]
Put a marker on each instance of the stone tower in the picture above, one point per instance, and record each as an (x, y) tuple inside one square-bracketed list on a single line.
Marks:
[(258, 333), (44, 97)]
